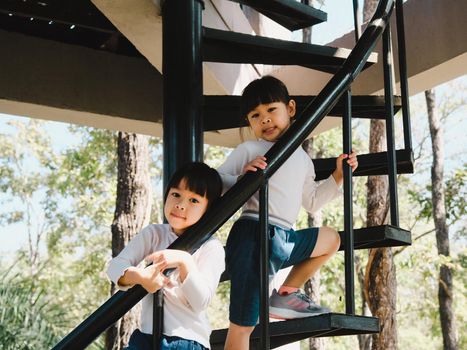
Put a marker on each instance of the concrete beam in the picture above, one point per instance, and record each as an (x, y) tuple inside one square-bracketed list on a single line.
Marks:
[(141, 22), (435, 44), (78, 81), (50, 80)]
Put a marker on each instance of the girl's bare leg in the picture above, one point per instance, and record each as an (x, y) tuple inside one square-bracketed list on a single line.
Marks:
[(238, 337), (326, 246)]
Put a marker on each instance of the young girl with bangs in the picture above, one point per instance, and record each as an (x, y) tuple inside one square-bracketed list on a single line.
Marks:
[(189, 289), (269, 110)]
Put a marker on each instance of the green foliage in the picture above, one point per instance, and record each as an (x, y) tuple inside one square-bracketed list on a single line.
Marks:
[(72, 196), (455, 197), (29, 317), (218, 311), (85, 176), (26, 147), (66, 200)]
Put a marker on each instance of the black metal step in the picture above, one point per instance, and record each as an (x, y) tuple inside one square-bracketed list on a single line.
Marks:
[(369, 237), (378, 237), (290, 14), (285, 332), (231, 47), (368, 164), (223, 112)]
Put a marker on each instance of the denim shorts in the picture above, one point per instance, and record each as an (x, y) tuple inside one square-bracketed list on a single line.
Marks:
[(143, 341), (286, 248)]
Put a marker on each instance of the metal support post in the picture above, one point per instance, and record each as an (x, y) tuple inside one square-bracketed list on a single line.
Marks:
[(348, 210), (264, 264), (183, 95), (403, 74), (357, 20), (183, 84), (389, 102)]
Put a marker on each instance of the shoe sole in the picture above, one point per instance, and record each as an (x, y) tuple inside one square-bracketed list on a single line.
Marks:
[(290, 315)]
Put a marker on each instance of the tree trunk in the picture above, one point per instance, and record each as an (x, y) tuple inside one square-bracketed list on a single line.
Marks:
[(445, 287), (369, 8), (314, 220), (380, 275), (306, 32), (132, 212), (364, 340), (380, 280)]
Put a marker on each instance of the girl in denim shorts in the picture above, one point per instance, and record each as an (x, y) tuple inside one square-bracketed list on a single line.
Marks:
[(269, 110)]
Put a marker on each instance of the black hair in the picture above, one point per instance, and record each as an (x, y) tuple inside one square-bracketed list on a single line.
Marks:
[(200, 178), (262, 91)]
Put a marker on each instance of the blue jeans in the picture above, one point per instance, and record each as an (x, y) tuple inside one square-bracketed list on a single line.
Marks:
[(143, 341), (286, 248)]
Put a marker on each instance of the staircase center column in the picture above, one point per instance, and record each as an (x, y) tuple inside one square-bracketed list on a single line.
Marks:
[(183, 96), (182, 84)]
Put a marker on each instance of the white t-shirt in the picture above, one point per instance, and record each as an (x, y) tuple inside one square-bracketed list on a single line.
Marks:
[(293, 185), (185, 303)]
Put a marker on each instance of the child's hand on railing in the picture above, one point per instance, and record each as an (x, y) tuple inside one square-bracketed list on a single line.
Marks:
[(258, 162), (173, 258), (351, 161), (152, 279)]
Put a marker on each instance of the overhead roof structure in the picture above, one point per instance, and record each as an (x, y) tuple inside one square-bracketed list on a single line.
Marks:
[(98, 62), (69, 22)]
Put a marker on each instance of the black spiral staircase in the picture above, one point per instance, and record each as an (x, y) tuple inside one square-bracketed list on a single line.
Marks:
[(198, 113)]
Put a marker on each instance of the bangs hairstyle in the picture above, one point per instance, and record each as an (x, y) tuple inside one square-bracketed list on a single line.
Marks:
[(199, 178), (262, 91)]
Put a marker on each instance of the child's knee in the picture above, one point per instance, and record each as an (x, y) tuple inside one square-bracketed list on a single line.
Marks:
[(238, 337), (240, 330), (333, 239)]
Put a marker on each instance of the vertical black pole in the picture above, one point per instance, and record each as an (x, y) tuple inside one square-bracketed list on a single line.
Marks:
[(348, 210), (157, 319), (183, 94), (183, 84), (403, 74), (389, 102), (357, 20), (264, 264)]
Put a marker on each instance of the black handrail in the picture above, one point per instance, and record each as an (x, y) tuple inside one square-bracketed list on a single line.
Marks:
[(116, 306)]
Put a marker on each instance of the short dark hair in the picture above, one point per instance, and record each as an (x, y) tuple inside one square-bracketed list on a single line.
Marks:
[(262, 91), (200, 178)]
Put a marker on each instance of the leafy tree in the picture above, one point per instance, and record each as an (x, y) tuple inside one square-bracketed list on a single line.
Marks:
[(22, 187), (61, 198), (29, 319), (72, 194), (445, 285), (132, 213)]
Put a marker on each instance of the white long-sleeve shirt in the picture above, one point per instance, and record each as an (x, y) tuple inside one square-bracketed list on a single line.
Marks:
[(185, 303), (293, 185)]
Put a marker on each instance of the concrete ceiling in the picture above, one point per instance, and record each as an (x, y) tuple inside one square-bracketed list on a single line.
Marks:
[(61, 81)]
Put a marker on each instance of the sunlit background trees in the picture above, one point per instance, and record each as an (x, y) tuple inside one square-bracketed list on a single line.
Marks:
[(57, 204)]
